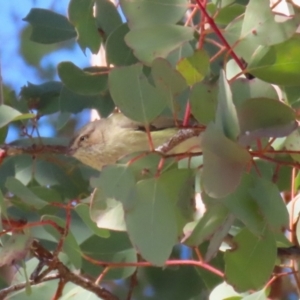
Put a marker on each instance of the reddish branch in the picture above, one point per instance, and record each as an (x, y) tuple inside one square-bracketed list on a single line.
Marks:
[(48, 260), (215, 28)]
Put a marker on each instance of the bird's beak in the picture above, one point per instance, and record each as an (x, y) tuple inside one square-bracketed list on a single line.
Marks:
[(71, 151)]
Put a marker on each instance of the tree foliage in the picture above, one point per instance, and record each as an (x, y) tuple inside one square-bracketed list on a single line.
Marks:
[(132, 231)]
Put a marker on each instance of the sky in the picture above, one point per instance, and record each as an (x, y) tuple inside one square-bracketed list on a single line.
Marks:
[(14, 70)]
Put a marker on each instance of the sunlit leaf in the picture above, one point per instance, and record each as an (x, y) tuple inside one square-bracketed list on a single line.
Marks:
[(107, 212), (83, 211), (195, 67), (9, 114), (279, 64)]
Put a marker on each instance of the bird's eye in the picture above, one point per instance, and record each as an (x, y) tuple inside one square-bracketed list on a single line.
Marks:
[(83, 138)]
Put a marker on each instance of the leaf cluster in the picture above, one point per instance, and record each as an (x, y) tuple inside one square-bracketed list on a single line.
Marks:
[(231, 65)]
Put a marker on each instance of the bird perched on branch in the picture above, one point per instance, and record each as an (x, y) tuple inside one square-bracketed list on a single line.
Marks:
[(104, 141)]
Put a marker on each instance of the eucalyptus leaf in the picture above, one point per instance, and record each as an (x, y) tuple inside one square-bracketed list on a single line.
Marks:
[(9, 114), (224, 163), (134, 95), (157, 41), (49, 27), (81, 16), (151, 224), (142, 13), (250, 255), (82, 82)]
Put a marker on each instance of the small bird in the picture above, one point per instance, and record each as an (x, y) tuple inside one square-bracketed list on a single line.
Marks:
[(104, 141)]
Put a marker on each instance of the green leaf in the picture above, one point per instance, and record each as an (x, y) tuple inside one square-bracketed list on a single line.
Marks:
[(254, 34), (78, 81), (141, 102), (81, 16), (43, 97), (107, 16), (254, 257), (180, 277), (185, 50), (143, 13), (83, 211), (157, 41), (49, 27), (242, 47), (9, 114), (182, 194), (259, 21), (107, 213), (203, 101), (260, 295), (33, 52), (74, 103), (46, 193), (3, 134), (3, 207), (279, 64), (70, 182), (24, 193), (242, 205), (117, 52), (292, 143), (271, 204), (224, 291), (117, 182), (224, 163), (171, 83), (212, 220), (115, 249), (165, 76), (15, 248), (194, 68), (229, 13), (70, 245), (151, 224), (264, 113), (244, 89), (218, 237), (226, 116)]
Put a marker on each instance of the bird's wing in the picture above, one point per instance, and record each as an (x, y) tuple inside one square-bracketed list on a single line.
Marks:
[(159, 123)]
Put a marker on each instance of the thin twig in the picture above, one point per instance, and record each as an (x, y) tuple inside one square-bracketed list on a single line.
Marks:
[(20, 286)]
